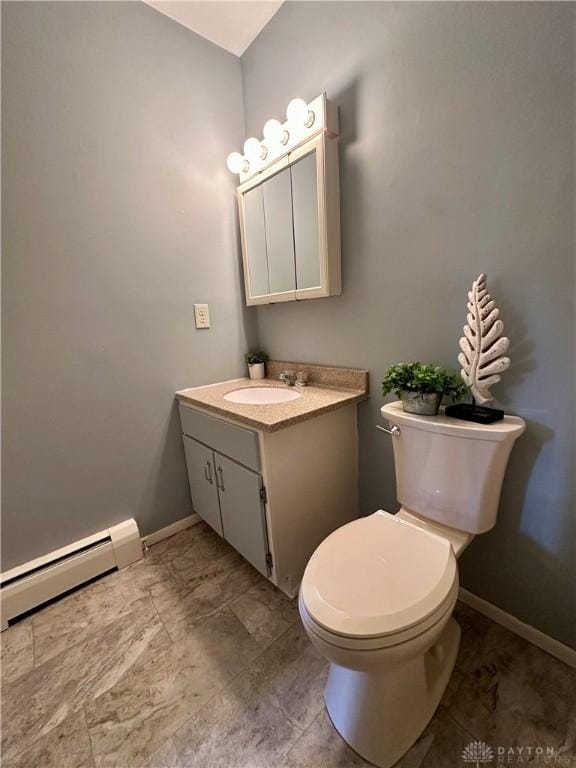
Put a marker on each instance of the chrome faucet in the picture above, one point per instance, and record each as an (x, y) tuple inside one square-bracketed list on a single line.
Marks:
[(288, 377)]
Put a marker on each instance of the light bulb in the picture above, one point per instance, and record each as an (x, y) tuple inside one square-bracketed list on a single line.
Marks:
[(236, 163), (299, 114), (275, 133), (254, 150)]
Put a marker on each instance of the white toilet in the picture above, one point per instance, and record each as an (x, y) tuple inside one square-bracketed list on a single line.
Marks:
[(377, 595)]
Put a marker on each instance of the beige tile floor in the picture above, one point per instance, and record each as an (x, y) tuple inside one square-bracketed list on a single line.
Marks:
[(190, 659)]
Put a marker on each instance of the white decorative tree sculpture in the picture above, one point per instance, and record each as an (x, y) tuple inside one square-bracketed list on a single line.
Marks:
[(483, 347)]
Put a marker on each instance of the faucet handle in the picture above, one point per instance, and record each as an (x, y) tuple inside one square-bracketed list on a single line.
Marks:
[(288, 377), (301, 379)]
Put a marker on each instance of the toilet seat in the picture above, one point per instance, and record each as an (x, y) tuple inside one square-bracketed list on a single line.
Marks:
[(378, 581), (384, 641)]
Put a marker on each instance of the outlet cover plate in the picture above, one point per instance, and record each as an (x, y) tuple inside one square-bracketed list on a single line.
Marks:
[(202, 315)]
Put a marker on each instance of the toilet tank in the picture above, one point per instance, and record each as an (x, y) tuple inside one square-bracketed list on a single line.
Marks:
[(451, 471)]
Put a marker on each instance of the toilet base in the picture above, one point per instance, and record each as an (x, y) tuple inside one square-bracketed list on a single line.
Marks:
[(382, 714)]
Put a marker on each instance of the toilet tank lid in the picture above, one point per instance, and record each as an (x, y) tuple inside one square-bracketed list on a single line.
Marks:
[(509, 428)]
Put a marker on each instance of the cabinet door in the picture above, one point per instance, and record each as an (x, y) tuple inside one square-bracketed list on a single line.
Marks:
[(305, 211), (255, 243), (243, 515), (279, 233), (202, 479)]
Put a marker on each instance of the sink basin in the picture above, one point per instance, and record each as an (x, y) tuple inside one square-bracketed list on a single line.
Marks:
[(262, 395)]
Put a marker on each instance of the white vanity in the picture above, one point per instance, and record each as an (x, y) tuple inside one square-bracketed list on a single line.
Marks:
[(274, 479)]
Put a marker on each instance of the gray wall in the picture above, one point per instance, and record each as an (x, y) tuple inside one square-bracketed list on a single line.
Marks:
[(119, 214), (457, 156)]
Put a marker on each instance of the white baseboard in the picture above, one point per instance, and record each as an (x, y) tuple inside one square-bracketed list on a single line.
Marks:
[(535, 636), (170, 530)]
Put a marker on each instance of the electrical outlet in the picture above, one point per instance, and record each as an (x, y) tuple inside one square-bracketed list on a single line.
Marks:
[(202, 315)]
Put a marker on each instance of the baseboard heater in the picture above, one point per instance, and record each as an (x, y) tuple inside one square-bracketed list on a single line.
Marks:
[(31, 584)]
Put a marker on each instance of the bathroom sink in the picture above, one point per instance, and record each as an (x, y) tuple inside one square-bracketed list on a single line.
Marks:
[(262, 395)]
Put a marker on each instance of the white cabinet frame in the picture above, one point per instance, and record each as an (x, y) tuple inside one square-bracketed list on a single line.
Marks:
[(328, 193)]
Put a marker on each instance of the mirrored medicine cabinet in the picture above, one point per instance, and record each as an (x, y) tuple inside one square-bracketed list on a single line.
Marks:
[(290, 225)]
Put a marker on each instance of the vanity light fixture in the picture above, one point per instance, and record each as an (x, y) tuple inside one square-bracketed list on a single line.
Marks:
[(254, 150), (275, 133), (299, 114), (304, 122), (236, 163)]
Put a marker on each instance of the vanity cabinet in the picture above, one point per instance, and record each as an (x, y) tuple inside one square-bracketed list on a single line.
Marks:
[(290, 226), (274, 496)]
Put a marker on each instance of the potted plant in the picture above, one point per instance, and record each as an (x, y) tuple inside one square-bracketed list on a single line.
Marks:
[(256, 364), (421, 386)]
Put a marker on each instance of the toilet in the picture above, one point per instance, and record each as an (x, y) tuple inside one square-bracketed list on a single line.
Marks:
[(377, 595)]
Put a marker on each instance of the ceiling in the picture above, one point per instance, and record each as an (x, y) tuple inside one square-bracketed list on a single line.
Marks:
[(231, 24)]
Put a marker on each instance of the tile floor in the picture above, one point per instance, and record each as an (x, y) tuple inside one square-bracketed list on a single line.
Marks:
[(190, 659)]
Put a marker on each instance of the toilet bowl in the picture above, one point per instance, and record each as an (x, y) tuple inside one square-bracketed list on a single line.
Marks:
[(376, 600), (377, 595)]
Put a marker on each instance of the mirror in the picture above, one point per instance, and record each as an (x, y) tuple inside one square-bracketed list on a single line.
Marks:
[(255, 234), (290, 225), (305, 218), (279, 232)]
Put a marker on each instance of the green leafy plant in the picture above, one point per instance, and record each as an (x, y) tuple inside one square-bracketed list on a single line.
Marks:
[(253, 358), (423, 378)]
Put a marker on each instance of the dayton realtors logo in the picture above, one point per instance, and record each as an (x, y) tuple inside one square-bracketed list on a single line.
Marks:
[(479, 754)]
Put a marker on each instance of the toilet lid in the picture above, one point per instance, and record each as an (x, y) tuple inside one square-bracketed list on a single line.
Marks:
[(376, 576)]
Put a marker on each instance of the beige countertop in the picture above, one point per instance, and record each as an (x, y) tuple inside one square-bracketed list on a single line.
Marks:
[(315, 399)]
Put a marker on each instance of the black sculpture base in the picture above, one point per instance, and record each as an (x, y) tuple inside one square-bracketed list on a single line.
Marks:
[(472, 412)]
